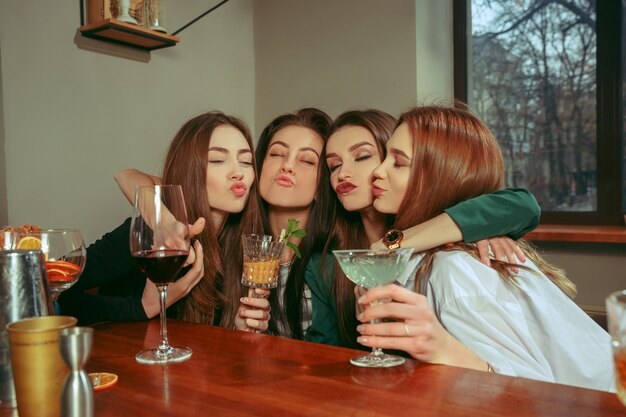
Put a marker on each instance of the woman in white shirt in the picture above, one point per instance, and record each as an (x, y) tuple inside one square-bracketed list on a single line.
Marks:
[(455, 310)]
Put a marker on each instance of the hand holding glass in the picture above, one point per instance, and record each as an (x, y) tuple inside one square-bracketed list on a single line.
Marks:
[(372, 268), (159, 241)]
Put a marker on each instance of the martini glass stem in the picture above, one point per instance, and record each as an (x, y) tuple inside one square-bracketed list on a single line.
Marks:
[(376, 351)]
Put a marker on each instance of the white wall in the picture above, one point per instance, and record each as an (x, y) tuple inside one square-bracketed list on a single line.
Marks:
[(73, 117), (434, 54), (334, 55)]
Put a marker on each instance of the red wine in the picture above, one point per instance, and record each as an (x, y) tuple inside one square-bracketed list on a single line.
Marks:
[(161, 266)]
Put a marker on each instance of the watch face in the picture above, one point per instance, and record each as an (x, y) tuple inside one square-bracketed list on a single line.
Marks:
[(392, 236)]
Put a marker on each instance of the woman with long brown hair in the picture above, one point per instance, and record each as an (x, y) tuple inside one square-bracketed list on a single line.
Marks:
[(212, 158), (355, 147), (455, 310), (293, 185)]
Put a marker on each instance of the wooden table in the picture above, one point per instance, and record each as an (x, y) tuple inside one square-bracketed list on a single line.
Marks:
[(234, 373)]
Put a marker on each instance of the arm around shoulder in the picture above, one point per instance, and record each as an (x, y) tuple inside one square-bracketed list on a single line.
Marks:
[(512, 212), (128, 179)]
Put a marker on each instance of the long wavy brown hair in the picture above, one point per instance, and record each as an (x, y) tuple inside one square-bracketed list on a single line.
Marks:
[(215, 299), (317, 228), (348, 231), (456, 158)]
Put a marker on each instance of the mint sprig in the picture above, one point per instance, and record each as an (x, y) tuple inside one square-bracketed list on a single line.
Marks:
[(292, 231)]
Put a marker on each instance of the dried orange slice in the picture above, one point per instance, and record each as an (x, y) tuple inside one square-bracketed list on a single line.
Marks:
[(63, 265), (29, 242), (102, 380), (59, 275)]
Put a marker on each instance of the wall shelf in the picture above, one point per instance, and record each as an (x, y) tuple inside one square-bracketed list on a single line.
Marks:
[(113, 30)]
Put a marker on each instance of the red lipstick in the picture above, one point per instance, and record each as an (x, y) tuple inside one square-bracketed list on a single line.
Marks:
[(345, 187)]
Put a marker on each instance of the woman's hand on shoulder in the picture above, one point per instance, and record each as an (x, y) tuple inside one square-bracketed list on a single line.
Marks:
[(503, 249), (253, 314), (176, 290)]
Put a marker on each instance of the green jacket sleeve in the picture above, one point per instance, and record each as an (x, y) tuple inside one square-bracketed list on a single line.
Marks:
[(323, 327), (512, 212)]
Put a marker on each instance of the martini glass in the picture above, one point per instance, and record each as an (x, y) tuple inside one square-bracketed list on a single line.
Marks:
[(374, 268)]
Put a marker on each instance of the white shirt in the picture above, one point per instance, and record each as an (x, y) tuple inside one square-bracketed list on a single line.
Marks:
[(531, 330), (307, 308)]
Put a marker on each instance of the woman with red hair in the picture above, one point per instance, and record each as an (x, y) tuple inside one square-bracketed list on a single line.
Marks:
[(453, 309)]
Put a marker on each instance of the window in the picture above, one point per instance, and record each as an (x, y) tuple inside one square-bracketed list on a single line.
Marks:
[(546, 76)]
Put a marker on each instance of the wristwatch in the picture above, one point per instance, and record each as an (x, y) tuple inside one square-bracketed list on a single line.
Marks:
[(393, 238)]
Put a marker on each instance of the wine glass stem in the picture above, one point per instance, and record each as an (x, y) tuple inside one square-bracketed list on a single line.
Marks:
[(164, 346)]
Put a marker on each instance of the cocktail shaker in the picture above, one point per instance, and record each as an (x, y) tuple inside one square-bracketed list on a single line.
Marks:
[(23, 294)]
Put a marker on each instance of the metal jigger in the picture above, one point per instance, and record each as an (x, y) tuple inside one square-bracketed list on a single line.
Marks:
[(23, 294), (77, 395)]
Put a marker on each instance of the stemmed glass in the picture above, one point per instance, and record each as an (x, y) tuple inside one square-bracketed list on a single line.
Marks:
[(159, 241), (64, 253), (374, 268)]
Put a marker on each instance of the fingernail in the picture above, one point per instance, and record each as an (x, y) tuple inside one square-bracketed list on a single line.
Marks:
[(359, 329), (243, 299), (361, 339), (359, 316), (360, 300)]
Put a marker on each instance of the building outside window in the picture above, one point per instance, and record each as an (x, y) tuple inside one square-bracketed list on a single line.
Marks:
[(548, 78)]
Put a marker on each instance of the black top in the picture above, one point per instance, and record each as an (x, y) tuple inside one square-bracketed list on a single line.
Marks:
[(114, 273)]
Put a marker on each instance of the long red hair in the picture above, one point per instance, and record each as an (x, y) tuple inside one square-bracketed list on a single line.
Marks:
[(456, 158), (186, 164)]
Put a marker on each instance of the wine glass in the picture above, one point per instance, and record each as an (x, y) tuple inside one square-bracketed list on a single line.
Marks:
[(374, 268), (159, 242), (64, 254)]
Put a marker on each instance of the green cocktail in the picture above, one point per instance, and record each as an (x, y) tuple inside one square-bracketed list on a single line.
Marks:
[(370, 269)]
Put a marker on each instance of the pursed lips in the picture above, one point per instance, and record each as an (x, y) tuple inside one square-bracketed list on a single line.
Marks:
[(239, 189), (377, 191), (345, 188), (284, 181)]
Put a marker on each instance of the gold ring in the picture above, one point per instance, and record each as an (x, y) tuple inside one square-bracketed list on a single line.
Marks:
[(406, 329)]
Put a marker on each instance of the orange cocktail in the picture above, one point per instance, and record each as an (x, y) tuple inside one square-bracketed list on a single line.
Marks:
[(261, 260)]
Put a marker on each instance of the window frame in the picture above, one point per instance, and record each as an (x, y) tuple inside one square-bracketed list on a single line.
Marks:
[(609, 108)]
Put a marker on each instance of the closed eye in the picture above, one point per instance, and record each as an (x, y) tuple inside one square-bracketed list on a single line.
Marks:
[(334, 167), (308, 161), (400, 163)]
